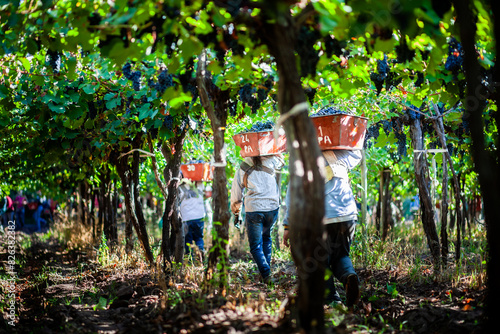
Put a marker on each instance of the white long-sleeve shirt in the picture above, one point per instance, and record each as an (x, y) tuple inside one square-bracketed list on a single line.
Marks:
[(340, 204), (192, 205), (262, 193)]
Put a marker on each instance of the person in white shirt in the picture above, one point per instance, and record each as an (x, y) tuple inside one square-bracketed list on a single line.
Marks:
[(258, 177), (192, 207)]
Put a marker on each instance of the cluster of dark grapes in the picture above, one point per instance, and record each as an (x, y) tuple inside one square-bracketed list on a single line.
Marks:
[(465, 125), (310, 92), (262, 126), (304, 46), (187, 82), (232, 107), (92, 110), (165, 80), (262, 93), (455, 56), (328, 111), (154, 133), (378, 80), (127, 70), (386, 126), (371, 132), (434, 144), (401, 141), (134, 76), (420, 79), (54, 59), (231, 41), (169, 41), (193, 90), (412, 113), (450, 148), (392, 80), (136, 80), (269, 83), (333, 46), (383, 66), (382, 72), (393, 125), (428, 128), (168, 122), (196, 122), (400, 135), (246, 94)]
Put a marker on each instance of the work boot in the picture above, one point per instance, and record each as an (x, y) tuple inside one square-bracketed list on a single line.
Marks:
[(333, 299), (269, 280), (352, 290)]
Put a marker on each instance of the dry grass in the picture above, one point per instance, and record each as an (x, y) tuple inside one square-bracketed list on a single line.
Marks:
[(406, 251)]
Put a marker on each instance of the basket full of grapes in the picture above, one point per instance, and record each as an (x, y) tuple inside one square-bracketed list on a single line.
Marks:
[(259, 140), (338, 130), (197, 170)]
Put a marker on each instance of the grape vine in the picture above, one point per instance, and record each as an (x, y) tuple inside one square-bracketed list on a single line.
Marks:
[(262, 126), (454, 61), (304, 47)]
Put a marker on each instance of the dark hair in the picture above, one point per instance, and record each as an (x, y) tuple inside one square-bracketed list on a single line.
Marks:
[(257, 160)]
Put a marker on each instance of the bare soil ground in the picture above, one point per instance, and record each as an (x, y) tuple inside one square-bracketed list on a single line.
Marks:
[(63, 291)]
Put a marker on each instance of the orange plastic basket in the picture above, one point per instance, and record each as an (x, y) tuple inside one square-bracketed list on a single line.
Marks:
[(197, 171), (340, 131), (260, 143)]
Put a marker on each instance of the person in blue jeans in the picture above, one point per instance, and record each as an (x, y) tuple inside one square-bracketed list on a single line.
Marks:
[(192, 207), (37, 217), (255, 186), (340, 223)]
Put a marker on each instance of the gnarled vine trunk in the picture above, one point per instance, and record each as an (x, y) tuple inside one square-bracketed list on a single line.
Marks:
[(306, 182), (217, 112), (173, 238), (106, 210), (423, 182), (129, 177), (385, 200), (444, 216), (486, 164)]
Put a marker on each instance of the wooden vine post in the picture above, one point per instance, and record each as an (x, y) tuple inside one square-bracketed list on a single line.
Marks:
[(421, 172), (364, 185)]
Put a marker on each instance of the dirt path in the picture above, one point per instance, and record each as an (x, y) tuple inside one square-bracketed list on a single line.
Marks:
[(62, 291)]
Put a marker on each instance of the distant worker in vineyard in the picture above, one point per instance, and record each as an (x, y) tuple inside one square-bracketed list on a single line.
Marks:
[(20, 203), (7, 211), (192, 207), (340, 224), (256, 186)]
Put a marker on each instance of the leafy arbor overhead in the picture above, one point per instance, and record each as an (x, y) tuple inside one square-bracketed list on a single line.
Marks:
[(86, 82)]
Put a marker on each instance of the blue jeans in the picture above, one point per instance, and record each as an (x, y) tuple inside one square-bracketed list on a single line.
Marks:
[(195, 234), (20, 217), (259, 227), (338, 243)]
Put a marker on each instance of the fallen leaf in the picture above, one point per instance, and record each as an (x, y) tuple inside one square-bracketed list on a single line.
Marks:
[(467, 307)]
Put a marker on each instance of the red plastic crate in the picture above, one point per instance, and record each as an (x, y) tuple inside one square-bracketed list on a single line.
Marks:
[(340, 131), (197, 171), (260, 143)]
